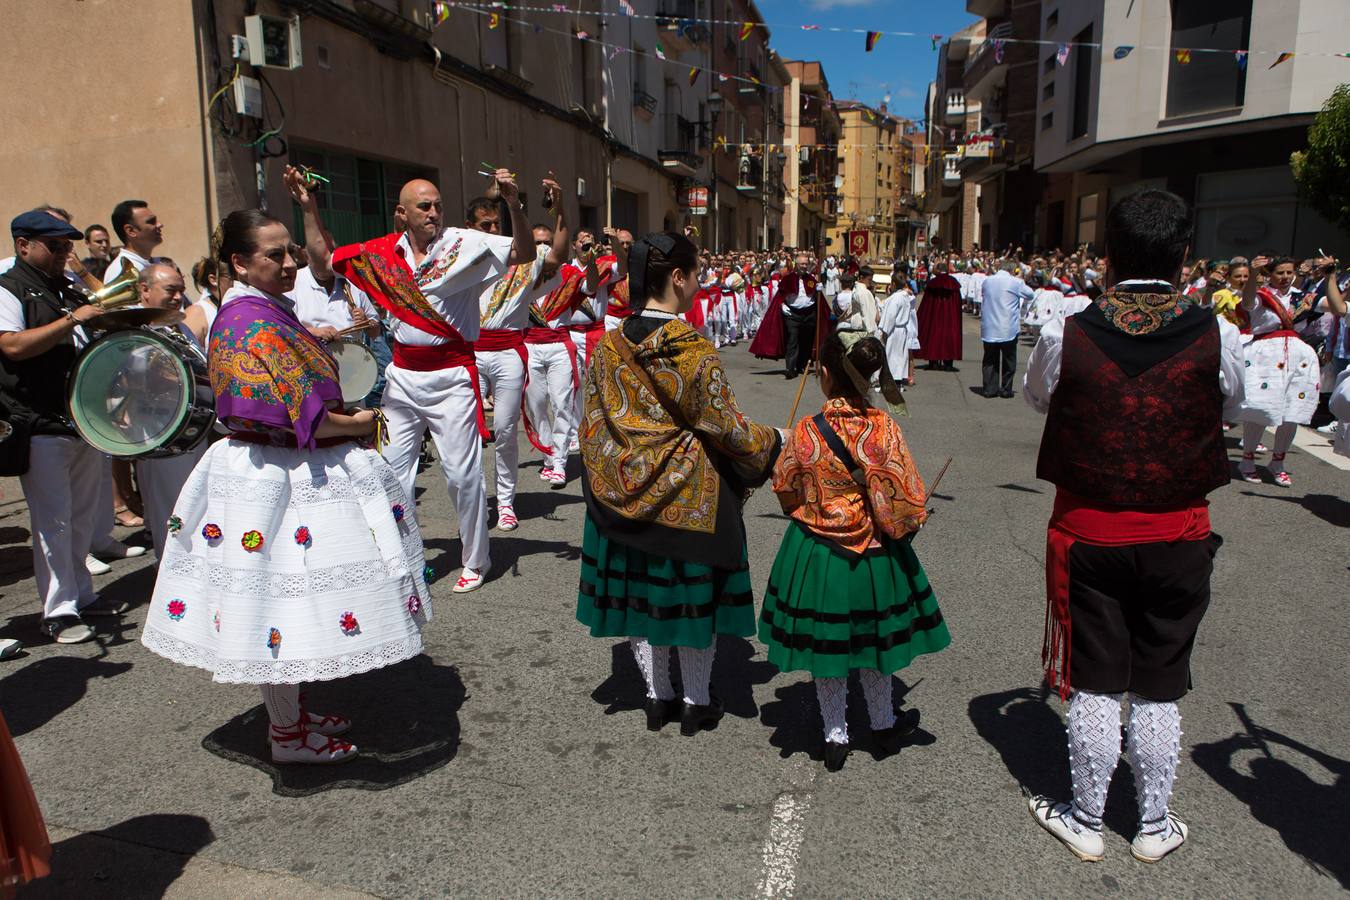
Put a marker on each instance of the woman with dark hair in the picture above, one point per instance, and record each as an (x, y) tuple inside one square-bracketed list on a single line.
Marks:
[(669, 461), (847, 593), (212, 282), (290, 555)]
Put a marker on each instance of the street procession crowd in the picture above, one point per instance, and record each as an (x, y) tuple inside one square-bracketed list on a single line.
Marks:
[(303, 387)]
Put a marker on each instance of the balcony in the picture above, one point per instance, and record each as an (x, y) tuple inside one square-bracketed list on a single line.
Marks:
[(750, 174), (675, 22), (956, 107), (679, 148), (987, 66), (644, 103), (951, 169)]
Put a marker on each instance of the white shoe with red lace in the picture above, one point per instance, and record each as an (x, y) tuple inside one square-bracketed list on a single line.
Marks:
[(545, 472), (298, 744), (1247, 469), (1277, 470), (328, 726), (556, 479), (506, 519), (469, 580)]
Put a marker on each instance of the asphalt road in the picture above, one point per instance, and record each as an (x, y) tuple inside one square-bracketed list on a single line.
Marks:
[(512, 760)]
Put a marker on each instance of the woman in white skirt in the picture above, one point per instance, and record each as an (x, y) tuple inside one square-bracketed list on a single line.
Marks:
[(1282, 371), (290, 557)]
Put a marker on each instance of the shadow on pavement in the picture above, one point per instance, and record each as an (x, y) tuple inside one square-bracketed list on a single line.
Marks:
[(405, 722), (40, 691), (797, 727), (1330, 509), (1311, 816), (140, 857), (734, 676), (509, 550), (541, 504)]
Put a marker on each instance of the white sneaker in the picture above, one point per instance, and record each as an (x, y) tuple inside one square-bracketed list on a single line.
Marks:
[(1057, 818), (118, 550), (1150, 848), (1329, 428), (9, 648), (469, 580), (96, 566)]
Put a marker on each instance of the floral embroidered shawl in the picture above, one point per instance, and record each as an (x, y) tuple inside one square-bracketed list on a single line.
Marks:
[(266, 370)]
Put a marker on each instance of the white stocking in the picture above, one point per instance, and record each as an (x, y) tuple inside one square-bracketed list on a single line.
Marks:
[(1284, 439), (1251, 436), (283, 704), (655, 665), (877, 689), (696, 672), (1154, 746), (1094, 751), (832, 694)]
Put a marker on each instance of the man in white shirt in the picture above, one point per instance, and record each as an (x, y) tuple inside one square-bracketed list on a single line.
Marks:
[(1004, 293), (140, 231)]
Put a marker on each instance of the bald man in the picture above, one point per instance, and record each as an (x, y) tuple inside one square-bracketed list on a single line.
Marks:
[(433, 381), (162, 287)]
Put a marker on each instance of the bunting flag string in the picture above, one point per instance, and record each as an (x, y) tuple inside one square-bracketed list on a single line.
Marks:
[(442, 8), (872, 38)]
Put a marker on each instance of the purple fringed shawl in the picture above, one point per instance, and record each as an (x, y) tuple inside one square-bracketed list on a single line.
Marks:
[(267, 371)]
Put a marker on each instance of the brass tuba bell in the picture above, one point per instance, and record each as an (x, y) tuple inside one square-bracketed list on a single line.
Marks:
[(124, 290)]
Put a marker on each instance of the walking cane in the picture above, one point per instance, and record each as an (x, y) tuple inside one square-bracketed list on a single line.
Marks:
[(792, 416)]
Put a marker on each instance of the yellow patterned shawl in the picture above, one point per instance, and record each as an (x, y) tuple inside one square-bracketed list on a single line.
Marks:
[(643, 467)]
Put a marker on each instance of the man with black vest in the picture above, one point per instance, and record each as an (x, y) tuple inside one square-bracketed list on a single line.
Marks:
[(1136, 387), (42, 318)]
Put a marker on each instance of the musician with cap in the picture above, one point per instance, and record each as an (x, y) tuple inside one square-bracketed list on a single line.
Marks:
[(42, 326)]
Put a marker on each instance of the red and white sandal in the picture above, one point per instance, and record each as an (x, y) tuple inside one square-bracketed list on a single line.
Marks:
[(1282, 477), (298, 745), (328, 726), (469, 580), (506, 519), (1247, 469), (545, 472)]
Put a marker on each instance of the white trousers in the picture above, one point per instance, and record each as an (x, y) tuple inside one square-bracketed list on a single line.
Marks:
[(445, 402), (575, 419), (160, 481), (551, 400), (501, 375), (62, 487)]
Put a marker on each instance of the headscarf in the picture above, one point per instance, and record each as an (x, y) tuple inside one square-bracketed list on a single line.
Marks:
[(889, 397)]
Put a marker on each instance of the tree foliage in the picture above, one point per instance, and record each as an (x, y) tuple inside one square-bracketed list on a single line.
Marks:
[(1323, 170)]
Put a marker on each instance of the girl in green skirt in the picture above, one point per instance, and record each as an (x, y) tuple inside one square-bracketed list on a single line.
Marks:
[(847, 592), (669, 457)]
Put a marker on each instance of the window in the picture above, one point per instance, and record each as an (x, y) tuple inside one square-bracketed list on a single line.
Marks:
[(1087, 219), (1082, 83), (1051, 21), (1048, 67), (1047, 121), (1208, 81), (360, 197), (1048, 92)]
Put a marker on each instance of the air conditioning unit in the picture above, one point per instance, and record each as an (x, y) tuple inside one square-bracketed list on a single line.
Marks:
[(273, 41)]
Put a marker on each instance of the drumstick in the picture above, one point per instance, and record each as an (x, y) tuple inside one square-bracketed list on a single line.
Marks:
[(933, 487), (792, 416)]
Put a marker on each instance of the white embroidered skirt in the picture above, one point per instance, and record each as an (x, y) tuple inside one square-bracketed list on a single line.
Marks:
[(284, 566), (1282, 376)]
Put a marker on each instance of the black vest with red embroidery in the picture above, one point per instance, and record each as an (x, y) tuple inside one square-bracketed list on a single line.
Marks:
[(1137, 420)]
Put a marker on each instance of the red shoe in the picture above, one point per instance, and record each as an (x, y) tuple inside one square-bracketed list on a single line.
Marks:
[(297, 744), (1281, 476)]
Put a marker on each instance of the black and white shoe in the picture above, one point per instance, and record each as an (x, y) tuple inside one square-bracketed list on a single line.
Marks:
[(1057, 818)]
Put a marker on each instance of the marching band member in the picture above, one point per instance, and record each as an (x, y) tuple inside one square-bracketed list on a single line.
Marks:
[(663, 558), (290, 555), (429, 278), (847, 592), (503, 360), (586, 320), (42, 319), (620, 241)]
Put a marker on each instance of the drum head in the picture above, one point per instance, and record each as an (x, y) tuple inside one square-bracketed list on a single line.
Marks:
[(358, 369), (129, 393)]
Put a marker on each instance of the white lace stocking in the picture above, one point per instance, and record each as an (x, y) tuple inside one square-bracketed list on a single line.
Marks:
[(654, 662), (283, 704), (1155, 748), (696, 673), (880, 705), (1094, 751), (832, 693)]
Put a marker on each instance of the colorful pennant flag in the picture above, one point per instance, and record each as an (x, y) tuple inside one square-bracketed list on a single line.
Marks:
[(1063, 54), (627, 8), (1283, 57), (1183, 57), (872, 38), (660, 51), (442, 11), (1123, 51), (494, 19), (936, 39), (693, 76), (998, 51), (817, 28), (1241, 57), (747, 29)]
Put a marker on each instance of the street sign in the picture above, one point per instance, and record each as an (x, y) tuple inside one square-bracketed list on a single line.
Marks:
[(695, 201)]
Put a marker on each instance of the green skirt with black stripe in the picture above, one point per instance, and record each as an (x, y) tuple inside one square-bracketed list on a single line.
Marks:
[(630, 593), (827, 613)]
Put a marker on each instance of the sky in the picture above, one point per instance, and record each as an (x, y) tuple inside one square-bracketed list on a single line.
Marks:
[(899, 67)]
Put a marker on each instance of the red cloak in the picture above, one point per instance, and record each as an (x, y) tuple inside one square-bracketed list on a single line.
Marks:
[(770, 342), (940, 319)]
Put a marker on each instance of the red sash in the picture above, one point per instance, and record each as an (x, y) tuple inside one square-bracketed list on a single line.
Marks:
[(492, 340), (557, 336), (1268, 300), (1075, 519), (594, 332), (454, 354)]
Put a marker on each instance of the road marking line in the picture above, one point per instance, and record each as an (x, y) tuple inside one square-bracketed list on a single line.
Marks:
[(787, 828)]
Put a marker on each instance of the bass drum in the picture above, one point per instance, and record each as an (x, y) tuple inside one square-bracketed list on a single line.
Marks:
[(141, 393)]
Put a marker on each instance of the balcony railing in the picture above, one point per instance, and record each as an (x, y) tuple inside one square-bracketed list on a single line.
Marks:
[(951, 168), (680, 145), (675, 20), (956, 106), (644, 101), (1000, 32)]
